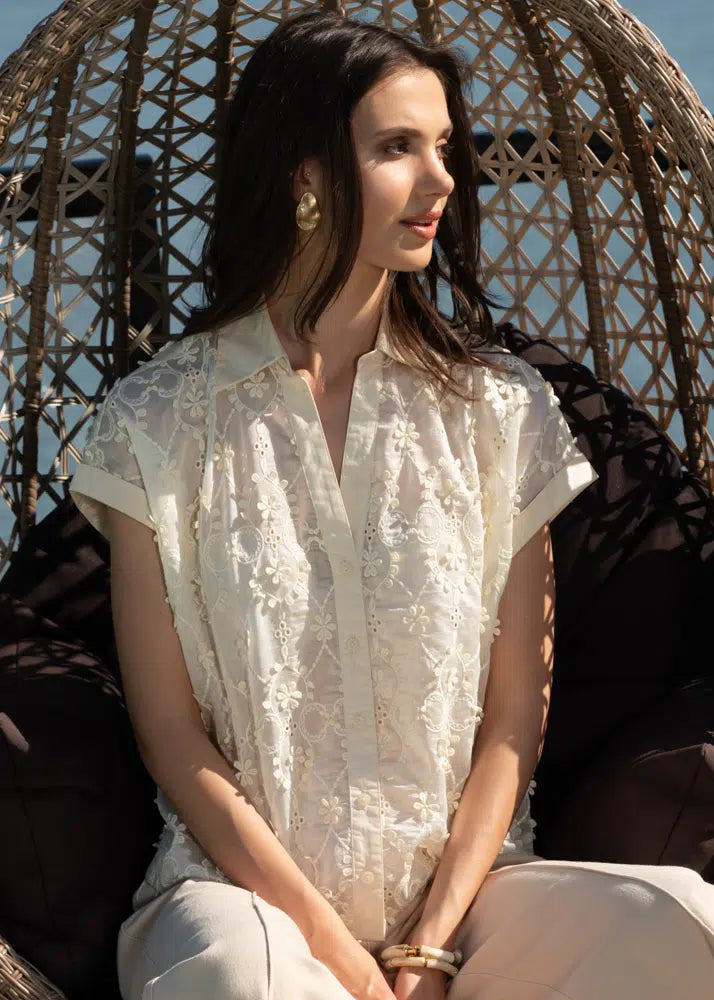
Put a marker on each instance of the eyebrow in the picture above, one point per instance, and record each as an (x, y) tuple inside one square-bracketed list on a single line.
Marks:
[(406, 130)]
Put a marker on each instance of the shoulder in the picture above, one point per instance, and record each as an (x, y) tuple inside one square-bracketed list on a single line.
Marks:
[(185, 357), (515, 370), (500, 380), (180, 366)]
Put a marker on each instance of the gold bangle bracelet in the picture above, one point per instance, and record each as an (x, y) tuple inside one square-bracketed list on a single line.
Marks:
[(421, 963), (422, 951)]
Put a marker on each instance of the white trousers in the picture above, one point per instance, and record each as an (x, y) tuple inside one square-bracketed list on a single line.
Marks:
[(537, 930)]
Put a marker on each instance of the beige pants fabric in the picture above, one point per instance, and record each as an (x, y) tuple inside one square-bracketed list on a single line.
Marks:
[(538, 930)]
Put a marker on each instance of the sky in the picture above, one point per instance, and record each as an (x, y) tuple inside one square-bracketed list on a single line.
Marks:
[(685, 28)]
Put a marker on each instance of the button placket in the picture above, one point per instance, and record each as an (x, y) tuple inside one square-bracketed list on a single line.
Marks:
[(333, 511), (361, 736)]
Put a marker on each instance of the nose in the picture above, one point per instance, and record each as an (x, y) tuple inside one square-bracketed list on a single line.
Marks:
[(437, 178)]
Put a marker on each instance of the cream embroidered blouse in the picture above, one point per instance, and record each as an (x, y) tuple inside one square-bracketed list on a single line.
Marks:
[(337, 634)]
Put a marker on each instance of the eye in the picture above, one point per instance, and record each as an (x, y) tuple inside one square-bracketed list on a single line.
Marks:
[(399, 145), (393, 145)]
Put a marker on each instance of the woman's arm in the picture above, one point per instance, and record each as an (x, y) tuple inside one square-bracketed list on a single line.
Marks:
[(508, 744), (196, 778)]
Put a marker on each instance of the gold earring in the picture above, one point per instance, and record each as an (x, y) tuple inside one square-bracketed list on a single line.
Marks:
[(307, 213)]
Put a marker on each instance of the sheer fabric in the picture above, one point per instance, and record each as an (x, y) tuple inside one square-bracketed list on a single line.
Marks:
[(337, 634)]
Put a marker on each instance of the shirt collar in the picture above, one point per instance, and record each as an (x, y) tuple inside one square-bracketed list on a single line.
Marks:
[(248, 344)]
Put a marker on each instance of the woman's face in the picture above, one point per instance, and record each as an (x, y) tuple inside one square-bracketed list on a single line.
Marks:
[(400, 130)]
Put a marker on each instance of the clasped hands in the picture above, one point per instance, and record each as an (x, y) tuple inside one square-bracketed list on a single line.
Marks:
[(364, 977), (409, 984), (420, 984)]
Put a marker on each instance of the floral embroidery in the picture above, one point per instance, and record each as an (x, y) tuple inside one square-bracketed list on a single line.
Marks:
[(371, 563), (427, 807), (195, 402), (333, 661), (405, 434), (331, 810), (323, 626), (256, 385)]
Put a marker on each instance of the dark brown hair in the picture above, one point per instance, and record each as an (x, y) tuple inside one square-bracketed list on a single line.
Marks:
[(294, 99)]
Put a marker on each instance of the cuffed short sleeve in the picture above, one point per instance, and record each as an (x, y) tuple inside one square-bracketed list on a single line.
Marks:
[(551, 469), (108, 473)]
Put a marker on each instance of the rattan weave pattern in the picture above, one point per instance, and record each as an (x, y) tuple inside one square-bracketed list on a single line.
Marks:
[(19, 980), (608, 253), (598, 229)]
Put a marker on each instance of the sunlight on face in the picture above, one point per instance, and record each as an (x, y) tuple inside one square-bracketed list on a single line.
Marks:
[(403, 171)]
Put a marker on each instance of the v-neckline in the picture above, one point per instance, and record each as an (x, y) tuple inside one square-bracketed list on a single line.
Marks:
[(321, 425), (350, 432), (342, 498)]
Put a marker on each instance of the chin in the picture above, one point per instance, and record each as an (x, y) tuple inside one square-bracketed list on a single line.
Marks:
[(401, 260), (412, 264), (413, 260)]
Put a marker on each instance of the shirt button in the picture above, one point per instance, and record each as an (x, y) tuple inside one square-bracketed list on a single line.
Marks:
[(347, 567), (352, 644)]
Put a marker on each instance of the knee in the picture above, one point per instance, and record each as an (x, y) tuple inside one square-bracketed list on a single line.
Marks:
[(637, 900), (223, 968), (609, 900), (234, 971), (667, 913), (206, 940)]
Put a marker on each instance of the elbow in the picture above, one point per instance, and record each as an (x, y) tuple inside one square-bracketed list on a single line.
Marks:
[(166, 747)]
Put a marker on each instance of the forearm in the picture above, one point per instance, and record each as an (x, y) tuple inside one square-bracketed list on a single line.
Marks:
[(495, 787), (508, 744), (201, 785)]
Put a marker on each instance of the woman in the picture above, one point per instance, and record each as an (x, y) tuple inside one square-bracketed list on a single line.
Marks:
[(336, 490)]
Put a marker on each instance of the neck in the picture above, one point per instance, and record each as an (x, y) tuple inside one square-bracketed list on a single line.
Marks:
[(346, 329)]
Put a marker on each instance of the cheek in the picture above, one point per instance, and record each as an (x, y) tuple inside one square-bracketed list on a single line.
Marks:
[(384, 196)]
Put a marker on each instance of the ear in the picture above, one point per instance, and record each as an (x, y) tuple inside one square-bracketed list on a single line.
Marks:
[(307, 177)]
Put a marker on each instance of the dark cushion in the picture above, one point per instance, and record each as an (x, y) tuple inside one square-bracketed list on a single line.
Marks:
[(79, 819), (648, 797), (633, 557), (634, 550), (61, 571)]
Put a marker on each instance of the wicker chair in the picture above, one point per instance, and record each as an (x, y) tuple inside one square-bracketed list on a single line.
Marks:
[(20, 980), (598, 194)]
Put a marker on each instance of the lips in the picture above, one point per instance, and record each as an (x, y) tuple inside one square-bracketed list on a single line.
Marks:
[(423, 225), (425, 219)]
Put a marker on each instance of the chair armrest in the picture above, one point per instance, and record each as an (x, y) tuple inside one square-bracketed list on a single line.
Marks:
[(78, 817)]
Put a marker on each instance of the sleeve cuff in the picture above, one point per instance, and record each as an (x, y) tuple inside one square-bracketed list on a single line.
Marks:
[(565, 485), (93, 490)]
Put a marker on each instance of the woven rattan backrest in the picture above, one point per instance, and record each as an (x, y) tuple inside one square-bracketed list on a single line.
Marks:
[(598, 200)]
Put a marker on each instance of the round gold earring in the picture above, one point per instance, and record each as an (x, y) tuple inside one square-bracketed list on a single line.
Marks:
[(307, 213)]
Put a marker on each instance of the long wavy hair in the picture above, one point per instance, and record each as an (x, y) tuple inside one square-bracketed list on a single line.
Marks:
[(294, 99)]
